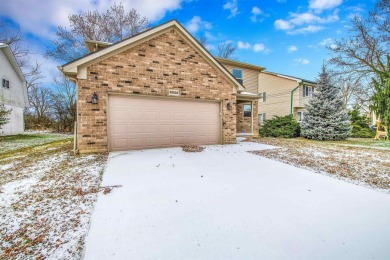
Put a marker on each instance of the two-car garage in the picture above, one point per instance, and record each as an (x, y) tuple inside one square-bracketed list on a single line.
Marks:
[(138, 122)]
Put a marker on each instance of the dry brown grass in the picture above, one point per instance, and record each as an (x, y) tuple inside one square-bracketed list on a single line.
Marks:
[(46, 199), (368, 166)]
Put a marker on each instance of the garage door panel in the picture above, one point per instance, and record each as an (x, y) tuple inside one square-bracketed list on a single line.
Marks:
[(151, 115), (134, 143), (134, 128), (134, 115), (120, 143), (142, 122), (165, 128), (120, 129), (151, 128), (179, 140)]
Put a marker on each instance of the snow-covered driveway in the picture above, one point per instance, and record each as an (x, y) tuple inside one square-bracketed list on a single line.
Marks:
[(225, 203)]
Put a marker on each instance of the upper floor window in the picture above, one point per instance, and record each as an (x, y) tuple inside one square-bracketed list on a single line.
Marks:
[(237, 73), (307, 91), (247, 110), (5, 83)]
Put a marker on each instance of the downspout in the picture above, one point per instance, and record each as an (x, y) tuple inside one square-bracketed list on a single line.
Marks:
[(292, 97)]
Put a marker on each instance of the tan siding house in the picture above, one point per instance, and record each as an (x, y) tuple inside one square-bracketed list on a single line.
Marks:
[(283, 95)]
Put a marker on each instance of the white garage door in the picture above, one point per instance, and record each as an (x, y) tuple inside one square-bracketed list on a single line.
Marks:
[(143, 122)]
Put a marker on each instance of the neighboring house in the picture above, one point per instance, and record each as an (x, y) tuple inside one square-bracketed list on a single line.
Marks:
[(283, 95), (13, 91), (160, 88)]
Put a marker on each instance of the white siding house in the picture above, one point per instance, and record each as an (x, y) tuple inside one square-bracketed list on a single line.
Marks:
[(13, 91)]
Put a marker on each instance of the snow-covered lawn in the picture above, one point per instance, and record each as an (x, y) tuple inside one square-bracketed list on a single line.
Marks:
[(361, 161), (226, 203), (46, 199)]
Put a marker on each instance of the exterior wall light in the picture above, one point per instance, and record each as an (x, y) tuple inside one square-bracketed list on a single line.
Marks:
[(228, 106), (94, 99)]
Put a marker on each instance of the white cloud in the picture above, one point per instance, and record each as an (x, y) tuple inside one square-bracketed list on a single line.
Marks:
[(243, 45), (36, 18), (301, 61), (257, 14), (326, 41), (196, 24), (210, 36), (259, 47), (307, 29), (283, 25), (301, 23), (320, 5), (232, 7), (292, 48)]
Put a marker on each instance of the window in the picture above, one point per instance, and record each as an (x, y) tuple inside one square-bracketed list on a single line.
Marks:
[(261, 118), (301, 115), (5, 83), (307, 91), (264, 96), (247, 110), (237, 73)]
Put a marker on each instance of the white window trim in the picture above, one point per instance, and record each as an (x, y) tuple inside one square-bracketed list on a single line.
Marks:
[(301, 115), (243, 108), (306, 92)]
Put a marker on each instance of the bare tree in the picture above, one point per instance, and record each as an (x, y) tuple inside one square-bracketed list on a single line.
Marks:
[(111, 26), (40, 101), (202, 40), (63, 103), (355, 91), (364, 53), (14, 39), (226, 50)]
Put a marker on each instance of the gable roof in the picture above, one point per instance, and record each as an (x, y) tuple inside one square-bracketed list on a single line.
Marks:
[(74, 67), (291, 77), (11, 58), (240, 64)]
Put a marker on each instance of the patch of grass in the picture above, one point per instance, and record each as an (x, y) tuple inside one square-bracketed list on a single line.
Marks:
[(360, 161), (49, 204), (358, 142), (367, 142), (17, 142)]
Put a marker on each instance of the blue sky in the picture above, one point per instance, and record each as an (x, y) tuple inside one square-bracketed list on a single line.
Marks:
[(285, 36)]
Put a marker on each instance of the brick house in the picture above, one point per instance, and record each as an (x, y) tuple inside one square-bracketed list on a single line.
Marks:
[(160, 88)]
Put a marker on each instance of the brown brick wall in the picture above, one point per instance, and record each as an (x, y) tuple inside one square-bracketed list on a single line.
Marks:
[(243, 124), (151, 68)]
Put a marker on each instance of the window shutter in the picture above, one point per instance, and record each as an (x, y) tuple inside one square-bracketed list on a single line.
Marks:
[(264, 96), (264, 117), (304, 90)]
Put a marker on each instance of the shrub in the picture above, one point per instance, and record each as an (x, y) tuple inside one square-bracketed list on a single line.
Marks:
[(360, 132), (280, 126), (360, 124)]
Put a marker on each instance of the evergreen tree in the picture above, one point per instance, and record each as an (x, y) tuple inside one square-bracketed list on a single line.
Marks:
[(326, 117)]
